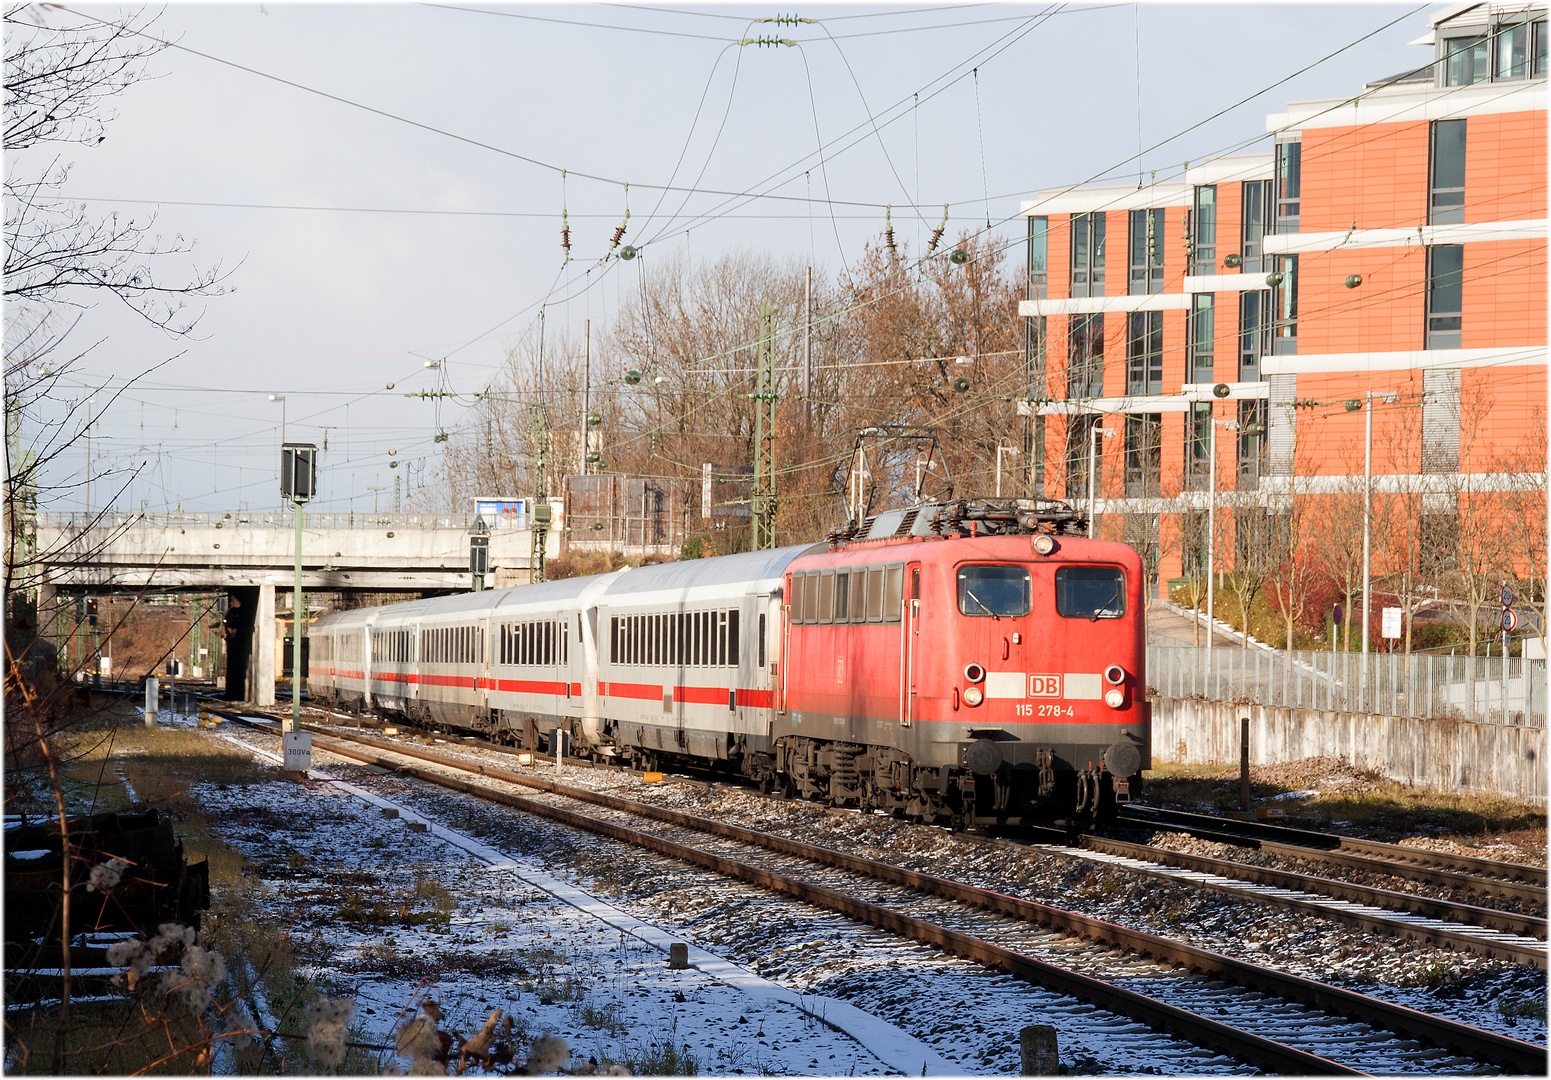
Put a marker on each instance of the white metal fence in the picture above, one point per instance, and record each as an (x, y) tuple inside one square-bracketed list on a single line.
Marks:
[(1488, 689)]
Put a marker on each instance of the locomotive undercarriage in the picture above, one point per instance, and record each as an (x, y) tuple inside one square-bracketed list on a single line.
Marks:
[(873, 778)]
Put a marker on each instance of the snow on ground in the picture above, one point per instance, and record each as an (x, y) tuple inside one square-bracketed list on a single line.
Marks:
[(475, 930)]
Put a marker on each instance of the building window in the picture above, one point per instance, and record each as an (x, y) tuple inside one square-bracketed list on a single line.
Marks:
[(1144, 454), (1446, 173), (1505, 51), (1284, 300), (1254, 332), (1039, 257), (1201, 331), (1087, 255), (1289, 180), (1085, 356), (1203, 223), (1144, 352), (1513, 44), (1198, 436), (1445, 295), (1146, 252), (1255, 218), (1466, 60)]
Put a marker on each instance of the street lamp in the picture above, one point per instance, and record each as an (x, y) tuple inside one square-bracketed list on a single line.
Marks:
[(1386, 396), (1093, 469), (1211, 525), (280, 398)]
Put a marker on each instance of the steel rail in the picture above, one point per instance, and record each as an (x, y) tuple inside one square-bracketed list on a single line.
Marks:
[(1479, 871), (1247, 1047), (1502, 1050), (1528, 926)]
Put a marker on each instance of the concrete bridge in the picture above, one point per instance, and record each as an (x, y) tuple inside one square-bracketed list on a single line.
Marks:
[(251, 556)]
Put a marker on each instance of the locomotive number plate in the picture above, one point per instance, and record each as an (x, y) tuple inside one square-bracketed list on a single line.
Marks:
[(1044, 686)]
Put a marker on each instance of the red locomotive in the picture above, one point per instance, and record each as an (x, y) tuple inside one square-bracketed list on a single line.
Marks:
[(971, 665)]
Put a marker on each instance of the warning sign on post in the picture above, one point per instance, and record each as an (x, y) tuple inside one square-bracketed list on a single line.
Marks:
[(298, 751), (1391, 627)]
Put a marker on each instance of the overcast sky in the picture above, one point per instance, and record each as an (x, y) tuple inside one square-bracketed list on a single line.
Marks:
[(414, 213)]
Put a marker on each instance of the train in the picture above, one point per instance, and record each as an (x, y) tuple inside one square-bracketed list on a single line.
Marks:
[(971, 661)]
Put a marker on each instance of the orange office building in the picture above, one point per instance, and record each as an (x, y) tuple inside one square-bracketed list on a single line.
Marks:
[(1383, 261)]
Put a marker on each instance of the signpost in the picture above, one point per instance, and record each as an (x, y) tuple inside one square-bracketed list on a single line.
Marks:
[(1510, 623), (1391, 620), (299, 483)]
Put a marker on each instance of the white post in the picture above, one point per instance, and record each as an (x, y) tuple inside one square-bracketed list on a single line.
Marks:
[(298, 620), (1211, 530), (1093, 468), (152, 701), (1367, 520), (1367, 512), (559, 749)]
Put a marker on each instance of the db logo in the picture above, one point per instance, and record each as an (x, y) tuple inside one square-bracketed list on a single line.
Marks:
[(1044, 686)]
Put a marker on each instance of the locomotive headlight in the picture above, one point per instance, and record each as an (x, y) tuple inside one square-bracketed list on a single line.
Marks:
[(973, 696), (1114, 674), (1044, 544), (974, 673), (1115, 698)]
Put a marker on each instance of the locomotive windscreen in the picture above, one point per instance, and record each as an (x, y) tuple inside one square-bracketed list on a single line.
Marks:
[(1090, 592), (994, 590)]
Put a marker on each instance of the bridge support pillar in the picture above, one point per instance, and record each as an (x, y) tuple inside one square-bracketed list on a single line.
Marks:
[(49, 607), (261, 654)]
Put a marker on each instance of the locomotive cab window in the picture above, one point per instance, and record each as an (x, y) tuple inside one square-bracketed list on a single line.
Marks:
[(999, 591), (1090, 592)]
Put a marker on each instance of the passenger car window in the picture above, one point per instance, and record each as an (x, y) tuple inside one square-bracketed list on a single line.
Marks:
[(1090, 592), (994, 590)]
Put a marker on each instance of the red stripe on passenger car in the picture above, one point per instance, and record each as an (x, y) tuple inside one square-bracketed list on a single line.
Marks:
[(701, 695), (757, 699), (645, 691), (394, 676), (527, 686), (448, 680)]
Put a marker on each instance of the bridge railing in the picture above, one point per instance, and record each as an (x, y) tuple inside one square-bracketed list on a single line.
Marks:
[(267, 519)]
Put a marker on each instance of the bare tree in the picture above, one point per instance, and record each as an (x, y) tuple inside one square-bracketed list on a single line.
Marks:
[(61, 72), (59, 78)]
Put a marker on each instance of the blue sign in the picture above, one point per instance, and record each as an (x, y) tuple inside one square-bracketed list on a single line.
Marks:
[(1335, 616), (503, 513)]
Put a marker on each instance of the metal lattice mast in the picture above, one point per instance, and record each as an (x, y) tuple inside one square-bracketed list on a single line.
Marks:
[(539, 526), (764, 501)]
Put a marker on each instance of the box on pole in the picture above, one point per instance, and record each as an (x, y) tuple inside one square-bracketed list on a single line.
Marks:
[(299, 471)]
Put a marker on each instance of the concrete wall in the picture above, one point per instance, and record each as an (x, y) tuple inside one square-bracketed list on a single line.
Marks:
[(1449, 755)]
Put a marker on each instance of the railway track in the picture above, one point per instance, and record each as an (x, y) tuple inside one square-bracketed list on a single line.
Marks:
[(1506, 935), (1303, 1024), (1483, 876), (1484, 931)]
